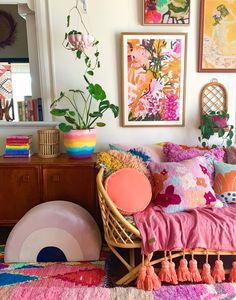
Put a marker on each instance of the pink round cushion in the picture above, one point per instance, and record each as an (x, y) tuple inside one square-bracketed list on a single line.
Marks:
[(129, 189)]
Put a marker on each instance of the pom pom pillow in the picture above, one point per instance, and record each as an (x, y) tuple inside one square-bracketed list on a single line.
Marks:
[(177, 153), (183, 185), (129, 189), (225, 182)]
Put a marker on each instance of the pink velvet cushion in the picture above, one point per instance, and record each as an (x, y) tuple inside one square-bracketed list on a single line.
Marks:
[(183, 185), (177, 153), (129, 189)]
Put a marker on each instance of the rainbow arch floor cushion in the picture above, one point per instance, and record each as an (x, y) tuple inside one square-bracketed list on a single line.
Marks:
[(54, 231)]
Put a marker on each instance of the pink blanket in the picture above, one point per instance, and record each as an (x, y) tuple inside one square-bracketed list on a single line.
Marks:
[(210, 228)]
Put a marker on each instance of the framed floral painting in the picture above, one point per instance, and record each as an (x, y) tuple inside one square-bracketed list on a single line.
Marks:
[(217, 41), (166, 12), (153, 79)]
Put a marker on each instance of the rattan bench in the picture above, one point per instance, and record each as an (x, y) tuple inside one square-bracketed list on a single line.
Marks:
[(119, 233)]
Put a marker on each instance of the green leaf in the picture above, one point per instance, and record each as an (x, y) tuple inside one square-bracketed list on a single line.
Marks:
[(76, 91), (96, 42), (230, 134), (229, 143), (90, 72), (72, 113), (62, 94), (86, 60), (58, 112), (64, 127), (68, 21), (99, 65), (66, 34), (96, 114), (221, 132), (203, 144), (78, 54), (70, 120), (97, 92), (96, 54), (103, 105), (100, 124), (115, 110)]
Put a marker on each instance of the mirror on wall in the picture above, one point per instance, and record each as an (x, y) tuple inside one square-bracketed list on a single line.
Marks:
[(20, 98)]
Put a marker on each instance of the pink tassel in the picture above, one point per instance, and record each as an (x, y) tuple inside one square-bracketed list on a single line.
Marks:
[(206, 273), (195, 275), (183, 271), (164, 273), (218, 273), (173, 275), (141, 278), (232, 275), (152, 281)]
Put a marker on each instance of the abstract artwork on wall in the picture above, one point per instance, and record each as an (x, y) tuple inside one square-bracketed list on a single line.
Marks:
[(166, 12), (153, 78), (217, 41)]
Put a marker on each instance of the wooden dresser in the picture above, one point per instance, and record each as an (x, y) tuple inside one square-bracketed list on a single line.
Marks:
[(26, 182)]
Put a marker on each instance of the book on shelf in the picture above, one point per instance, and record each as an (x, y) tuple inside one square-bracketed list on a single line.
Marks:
[(30, 109)]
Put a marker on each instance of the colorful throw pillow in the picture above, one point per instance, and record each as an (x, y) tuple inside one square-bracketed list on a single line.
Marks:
[(177, 153), (114, 160), (129, 189), (225, 182), (183, 185), (148, 153)]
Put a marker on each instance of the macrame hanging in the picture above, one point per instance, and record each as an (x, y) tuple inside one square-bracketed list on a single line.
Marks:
[(213, 97)]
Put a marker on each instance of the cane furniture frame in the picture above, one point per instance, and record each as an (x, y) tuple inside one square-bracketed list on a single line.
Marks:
[(119, 233)]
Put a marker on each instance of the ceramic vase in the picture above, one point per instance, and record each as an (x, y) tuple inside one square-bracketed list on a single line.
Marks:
[(81, 143)]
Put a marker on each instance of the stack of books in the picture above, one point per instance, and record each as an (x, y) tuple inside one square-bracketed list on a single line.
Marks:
[(18, 146)]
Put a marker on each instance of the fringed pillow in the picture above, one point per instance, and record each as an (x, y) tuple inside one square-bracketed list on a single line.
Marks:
[(114, 160)]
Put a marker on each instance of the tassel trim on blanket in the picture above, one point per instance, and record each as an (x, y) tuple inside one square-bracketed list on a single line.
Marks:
[(186, 272)]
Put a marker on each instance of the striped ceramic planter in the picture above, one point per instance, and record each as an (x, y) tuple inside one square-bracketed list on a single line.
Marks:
[(80, 143)]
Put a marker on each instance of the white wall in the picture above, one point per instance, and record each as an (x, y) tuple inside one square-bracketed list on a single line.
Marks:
[(106, 20)]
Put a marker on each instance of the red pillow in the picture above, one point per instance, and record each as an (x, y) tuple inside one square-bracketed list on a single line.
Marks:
[(129, 189)]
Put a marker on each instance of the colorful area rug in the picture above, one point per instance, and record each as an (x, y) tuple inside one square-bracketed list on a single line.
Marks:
[(89, 281)]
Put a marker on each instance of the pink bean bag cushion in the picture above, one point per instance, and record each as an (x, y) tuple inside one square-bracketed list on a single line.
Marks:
[(129, 189)]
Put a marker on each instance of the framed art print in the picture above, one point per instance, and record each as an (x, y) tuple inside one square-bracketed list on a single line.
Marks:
[(153, 78), (166, 12), (217, 40)]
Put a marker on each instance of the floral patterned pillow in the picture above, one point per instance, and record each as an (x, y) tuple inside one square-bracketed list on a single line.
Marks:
[(183, 185)]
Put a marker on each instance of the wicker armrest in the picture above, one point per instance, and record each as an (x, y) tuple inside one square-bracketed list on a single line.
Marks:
[(118, 231)]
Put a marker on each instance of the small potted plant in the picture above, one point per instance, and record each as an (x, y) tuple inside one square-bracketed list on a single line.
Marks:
[(84, 109), (216, 122)]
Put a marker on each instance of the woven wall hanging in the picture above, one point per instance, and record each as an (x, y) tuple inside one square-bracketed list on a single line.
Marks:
[(213, 97)]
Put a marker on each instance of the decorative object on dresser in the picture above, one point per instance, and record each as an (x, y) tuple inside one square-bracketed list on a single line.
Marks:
[(166, 12), (214, 115), (217, 49), (154, 78), (48, 142), (26, 182), (85, 107), (18, 146)]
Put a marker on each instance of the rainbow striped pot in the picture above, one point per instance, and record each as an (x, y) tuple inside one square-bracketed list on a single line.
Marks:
[(80, 143)]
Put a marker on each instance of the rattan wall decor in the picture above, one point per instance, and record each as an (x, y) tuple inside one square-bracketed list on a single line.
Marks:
[(213, 97)]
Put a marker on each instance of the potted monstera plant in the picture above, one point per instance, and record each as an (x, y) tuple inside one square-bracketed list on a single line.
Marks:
[(216, 123), (82, 110)]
